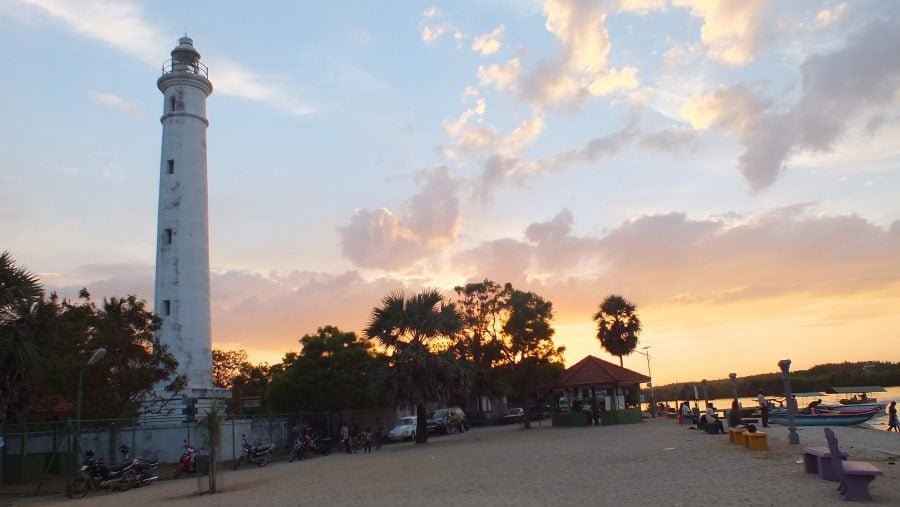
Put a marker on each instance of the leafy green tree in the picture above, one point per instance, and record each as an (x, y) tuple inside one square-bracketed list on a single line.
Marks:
[(20, 291), (331, 372), (416, 332), (530, 356), (618, 326)]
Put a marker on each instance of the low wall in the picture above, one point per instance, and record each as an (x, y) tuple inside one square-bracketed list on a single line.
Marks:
[(571, 419), (626, 416)]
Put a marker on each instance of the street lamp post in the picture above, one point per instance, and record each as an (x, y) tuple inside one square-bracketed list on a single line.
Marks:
[(646, 353), (733, 377), (785, 365), (97, 355)]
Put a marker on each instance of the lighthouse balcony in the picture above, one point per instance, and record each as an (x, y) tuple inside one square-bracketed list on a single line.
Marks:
[(193, 67)]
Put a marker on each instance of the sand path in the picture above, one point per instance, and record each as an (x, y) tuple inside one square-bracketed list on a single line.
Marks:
[(652, 463)]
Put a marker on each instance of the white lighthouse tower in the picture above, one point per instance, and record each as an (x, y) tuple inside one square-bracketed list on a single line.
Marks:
[(181, 296)]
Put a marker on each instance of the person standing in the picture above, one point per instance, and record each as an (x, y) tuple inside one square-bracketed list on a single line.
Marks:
[(379, 433), (345, 437), (893, 424), (686, 413), (763, 408), (354, 436), (367, 438)]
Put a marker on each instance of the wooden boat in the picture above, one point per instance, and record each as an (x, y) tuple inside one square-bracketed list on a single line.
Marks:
[(823, 419), (860, 394)]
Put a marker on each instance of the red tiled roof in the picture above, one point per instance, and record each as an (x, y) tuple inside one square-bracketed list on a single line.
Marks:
[(595, 372)]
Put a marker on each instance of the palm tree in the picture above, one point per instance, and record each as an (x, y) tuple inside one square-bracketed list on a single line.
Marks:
[(415, 333), (617, 326), (20, 291)]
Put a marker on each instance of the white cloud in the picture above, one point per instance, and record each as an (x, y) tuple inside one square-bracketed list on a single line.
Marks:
[(582, 70), (731, 28), (120, 23), (640, 6), (826, 17), (382, 240), (469, 92), (838, 87), (432, 33), (231, 78), (501, 76), (115, 102), (431, 12), (488, 43)]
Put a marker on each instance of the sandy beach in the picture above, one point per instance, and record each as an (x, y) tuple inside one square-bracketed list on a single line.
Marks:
[(641, 464)]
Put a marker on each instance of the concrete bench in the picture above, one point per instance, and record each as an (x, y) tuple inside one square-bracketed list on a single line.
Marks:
[(855, 476), (756, 441), (817, 460), (735, 435)]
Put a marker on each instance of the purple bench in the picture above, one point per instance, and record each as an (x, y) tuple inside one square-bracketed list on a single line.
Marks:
[(855, 476), (817, 460)]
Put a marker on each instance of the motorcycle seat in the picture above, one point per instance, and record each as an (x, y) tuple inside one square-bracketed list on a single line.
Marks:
[(121, 466)]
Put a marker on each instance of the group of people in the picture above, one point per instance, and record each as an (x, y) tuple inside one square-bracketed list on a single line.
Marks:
[(352, 439), (708, 421)]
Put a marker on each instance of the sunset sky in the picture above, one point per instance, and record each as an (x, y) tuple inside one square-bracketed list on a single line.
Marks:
[(732, 167)]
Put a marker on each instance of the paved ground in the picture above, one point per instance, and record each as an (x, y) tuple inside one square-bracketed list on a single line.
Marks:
[(655, 462)]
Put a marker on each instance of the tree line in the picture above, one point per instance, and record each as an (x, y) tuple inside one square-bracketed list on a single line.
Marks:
[(817, 378), (493, 340)]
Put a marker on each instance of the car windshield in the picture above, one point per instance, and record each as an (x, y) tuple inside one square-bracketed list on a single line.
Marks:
[(406, 421), (438, 413)]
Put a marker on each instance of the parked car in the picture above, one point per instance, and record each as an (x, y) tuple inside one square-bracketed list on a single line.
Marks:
[(405, 429), (513, 415), (446, 419)]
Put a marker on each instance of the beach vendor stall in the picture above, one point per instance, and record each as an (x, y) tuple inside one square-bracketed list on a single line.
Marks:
[(603, 389)]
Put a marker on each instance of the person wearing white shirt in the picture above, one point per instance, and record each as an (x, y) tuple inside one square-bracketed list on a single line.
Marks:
[(763, 409)]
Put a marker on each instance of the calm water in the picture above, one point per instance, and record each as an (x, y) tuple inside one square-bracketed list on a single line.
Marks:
[(879, 422)]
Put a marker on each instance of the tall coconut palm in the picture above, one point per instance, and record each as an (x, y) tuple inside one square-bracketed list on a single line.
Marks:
[(20, 291), (415, 333), (618, 326)]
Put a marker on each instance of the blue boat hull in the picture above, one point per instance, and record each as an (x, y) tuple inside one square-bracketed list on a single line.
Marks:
[(823, 420)]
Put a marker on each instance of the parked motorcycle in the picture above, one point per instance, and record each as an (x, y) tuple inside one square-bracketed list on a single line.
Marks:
[(299, 449), (309, 442), (320, 445), (187, 463), (132, 472), (254, 453)]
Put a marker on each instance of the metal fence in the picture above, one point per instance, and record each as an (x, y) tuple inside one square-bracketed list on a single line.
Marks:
[(38, 458)]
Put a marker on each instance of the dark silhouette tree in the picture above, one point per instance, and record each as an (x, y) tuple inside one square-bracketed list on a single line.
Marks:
[(331, 372), (20, 292), (618, 326), (530, 356), (416, 333)]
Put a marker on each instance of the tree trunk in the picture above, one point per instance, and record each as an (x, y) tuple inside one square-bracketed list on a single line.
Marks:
[(621, 362), (421, 425), (526, 420)]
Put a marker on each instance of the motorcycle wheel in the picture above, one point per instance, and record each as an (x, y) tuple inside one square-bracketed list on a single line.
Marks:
[(78, 488), (128, 481), (237, 463)]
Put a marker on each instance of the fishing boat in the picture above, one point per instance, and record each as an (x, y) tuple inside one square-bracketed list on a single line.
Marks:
[(860, 394), (823, 418), (849, 409)]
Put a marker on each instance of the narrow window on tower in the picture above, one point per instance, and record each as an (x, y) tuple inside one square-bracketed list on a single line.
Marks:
[(167, 307), (168, 236), (172, 103), (171, 166)]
